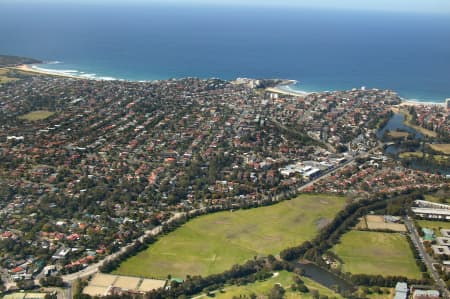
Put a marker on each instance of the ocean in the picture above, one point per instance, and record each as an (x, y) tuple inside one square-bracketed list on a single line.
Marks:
[(321, 49)]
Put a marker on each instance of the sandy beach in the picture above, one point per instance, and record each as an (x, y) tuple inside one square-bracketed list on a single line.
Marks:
[(417, 103), (286, 92), (405, 102), (29, 68)]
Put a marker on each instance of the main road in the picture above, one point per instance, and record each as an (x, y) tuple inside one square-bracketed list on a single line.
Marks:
[(94, 268), (426, 258)]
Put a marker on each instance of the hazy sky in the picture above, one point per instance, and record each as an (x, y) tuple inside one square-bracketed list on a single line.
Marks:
[(425, 6)]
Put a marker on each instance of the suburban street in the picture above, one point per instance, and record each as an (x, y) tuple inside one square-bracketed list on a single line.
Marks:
[(92, 269), (426, 258), (333, 170), (325, 175)]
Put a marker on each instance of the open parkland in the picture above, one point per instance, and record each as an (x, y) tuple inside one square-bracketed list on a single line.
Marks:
[(213, 243)]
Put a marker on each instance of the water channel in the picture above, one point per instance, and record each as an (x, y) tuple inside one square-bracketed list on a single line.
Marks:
[(324, 277), (396, 123)]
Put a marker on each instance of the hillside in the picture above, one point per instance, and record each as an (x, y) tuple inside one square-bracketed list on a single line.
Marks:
[(6, 60)]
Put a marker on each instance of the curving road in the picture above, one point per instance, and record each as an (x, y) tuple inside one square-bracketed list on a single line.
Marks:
[(94, 268), (426, 258)]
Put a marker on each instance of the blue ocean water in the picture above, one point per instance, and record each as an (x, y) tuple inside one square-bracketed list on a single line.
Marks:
[(322, 49)]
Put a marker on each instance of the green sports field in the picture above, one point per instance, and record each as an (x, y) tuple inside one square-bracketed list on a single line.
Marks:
[(377, 253), (213, 243), (37, 115)]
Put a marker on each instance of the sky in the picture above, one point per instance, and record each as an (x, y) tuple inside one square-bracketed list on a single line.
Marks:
[(416, 6)]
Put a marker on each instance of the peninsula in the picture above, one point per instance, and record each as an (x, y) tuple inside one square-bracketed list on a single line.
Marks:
[(8, 61)]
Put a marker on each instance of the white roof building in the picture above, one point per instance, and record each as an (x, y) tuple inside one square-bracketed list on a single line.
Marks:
[(440, 214), (401, 290)]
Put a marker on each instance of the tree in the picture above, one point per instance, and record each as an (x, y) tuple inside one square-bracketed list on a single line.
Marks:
[(315, 294), (277, 292), (377, 290), (302, 288), (77, 287), (51, 281), (25, 284)]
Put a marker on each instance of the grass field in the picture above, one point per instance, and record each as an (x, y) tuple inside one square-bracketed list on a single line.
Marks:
[(438, 158), (408, 122), (263, 288), (376, 253), (443, 148), (376, 222), (398, 134), (37, 115), (387, 293), (213, 243), (435, 225), (437, 199)]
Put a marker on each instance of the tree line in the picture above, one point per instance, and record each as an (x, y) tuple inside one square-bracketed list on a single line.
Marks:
[(259, 269)]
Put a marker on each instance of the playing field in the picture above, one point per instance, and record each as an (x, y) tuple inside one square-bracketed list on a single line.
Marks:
[(409, 123), (213, 243), (101, 283), (262, 289), (37, 115), (376, 222), (376, 253), (398, 134)]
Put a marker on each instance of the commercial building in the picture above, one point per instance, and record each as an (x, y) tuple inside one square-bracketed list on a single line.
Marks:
[(436, 214), (431, 210)]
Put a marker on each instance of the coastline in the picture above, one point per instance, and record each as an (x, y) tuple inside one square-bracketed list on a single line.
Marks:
[(29, 68), (280, 89), (407, 102), (32, 68), (287, 90)]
